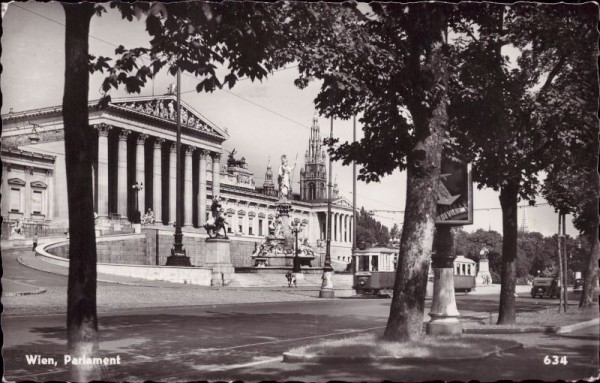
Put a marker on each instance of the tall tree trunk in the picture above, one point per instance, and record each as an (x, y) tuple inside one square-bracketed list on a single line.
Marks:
[(82, 322), (591, 271), (408, 303), (508, 276)]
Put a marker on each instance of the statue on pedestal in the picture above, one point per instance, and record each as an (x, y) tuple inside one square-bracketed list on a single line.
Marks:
[(17, 230), (484, 278), (285, 171), (215, 226)]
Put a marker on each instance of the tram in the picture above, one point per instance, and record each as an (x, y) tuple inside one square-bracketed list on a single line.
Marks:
[(376, 272)]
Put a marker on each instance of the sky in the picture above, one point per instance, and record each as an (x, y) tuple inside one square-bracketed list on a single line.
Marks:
[(264, 119)]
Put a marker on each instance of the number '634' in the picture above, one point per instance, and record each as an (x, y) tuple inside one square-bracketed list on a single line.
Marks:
[(555, 359)]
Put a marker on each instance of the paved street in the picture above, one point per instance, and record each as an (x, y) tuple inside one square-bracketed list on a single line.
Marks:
[(189, 333)]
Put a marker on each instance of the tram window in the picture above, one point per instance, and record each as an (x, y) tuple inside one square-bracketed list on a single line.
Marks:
[(464, 269), (364, 263), (458, 269)]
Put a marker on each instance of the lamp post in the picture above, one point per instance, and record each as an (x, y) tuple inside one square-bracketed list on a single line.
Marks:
[(178, 255), (137, 187), (327, 286), (295, 228)]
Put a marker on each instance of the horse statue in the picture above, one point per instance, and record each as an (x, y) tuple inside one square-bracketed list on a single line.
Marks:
[(215, 225)]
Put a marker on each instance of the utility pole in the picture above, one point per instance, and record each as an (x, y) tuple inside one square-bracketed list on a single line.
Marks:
[(564, 253), (560, 266), (354, 263), (327, 286)]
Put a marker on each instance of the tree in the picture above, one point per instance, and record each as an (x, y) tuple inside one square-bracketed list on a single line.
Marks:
[(395, 232), (369, 230), (190, 36), (519, 103), (392, 66), (82, 322), (572, 185)]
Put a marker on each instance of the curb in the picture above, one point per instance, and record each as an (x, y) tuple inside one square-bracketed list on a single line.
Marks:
[(36, 290), (578, 326), (312, 358), (516, 330), (535, 329)]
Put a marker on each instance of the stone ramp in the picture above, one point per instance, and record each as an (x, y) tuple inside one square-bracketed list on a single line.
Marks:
[(341, 281)]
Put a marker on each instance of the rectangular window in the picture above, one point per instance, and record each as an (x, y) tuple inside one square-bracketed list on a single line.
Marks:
[(240, 230), (260, 229), (250, 226), (229, 230), (36, 202), (15, 199)]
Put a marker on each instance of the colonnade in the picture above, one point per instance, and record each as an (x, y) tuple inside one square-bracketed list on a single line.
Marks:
[(341, 230), (140, 175)]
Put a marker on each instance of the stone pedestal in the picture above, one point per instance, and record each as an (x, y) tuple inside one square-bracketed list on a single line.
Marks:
[(484, 278), (137, 228), (283, 210), (444, 313), (327, 286), (218, 257)]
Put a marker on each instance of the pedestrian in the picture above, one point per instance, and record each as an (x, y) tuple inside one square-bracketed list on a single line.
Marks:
[(35, 241), (291, 278)]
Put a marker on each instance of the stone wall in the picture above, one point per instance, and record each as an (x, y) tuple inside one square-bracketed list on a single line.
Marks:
[(193, 243), (128, 250), (154, 245)]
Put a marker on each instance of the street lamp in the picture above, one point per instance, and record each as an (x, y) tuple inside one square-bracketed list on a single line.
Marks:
[(178, 254), (327, 286), (295, 228), (137, 187)]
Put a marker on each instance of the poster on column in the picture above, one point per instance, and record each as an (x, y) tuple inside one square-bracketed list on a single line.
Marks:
[(455, 193)]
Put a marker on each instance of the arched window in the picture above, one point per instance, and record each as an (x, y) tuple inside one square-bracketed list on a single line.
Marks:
[(312, 191)]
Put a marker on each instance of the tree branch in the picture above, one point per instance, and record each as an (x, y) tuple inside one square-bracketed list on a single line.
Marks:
[(462, 23), (552, 75)]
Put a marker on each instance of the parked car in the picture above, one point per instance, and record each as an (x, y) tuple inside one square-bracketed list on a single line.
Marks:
[(578, 286), (545, 287)]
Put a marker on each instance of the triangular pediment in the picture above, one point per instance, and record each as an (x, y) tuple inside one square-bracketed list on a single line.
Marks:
[(165, 108), (39, 184), (342, 201), (16, 182)]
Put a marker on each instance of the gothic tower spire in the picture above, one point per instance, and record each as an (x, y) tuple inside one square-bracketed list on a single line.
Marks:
[(313, 176)]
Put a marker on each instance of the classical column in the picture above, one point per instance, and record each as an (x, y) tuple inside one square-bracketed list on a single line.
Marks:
[(157, 180), (334, 226), (103, 130), (216, 181), (140, 171), (350, 219), (202, 189), (172, 183), (346, 235), (187, 188), (50, 194), (122, 174), (341, 227), (26, 197)]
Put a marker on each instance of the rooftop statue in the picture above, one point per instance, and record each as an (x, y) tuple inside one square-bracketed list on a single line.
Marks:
[(233, 162)]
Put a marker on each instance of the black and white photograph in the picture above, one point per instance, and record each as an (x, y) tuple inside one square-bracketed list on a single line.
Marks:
[(299, 191)]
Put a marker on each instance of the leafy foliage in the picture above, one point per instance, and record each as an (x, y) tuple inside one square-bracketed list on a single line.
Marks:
[(369, 230), (198, 38)]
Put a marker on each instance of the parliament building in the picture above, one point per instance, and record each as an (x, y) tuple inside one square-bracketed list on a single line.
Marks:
[(136, 144)]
